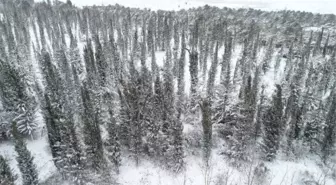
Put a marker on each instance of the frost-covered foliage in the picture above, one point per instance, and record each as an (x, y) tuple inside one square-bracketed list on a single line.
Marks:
[(117, 85), (25, 160), (6, 173)]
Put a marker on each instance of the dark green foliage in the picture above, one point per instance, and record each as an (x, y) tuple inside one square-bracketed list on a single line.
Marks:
[(25, 159), (101, 62), (272, 124), (329, 131), (207, 128), (317, 48), (7, 177), (91, 129), (268, 56), (17, 98), (62, 136), (113, 145), (212, 72)]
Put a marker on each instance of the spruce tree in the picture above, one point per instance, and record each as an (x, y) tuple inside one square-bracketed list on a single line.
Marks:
[(91, 129), (212, 72), (324, 53), (318, 43), (226, 63), (329, 131), (57, 111), (113, 145), (272, 122), (7, 177), (268, 56), (207, 128), (25, 159)]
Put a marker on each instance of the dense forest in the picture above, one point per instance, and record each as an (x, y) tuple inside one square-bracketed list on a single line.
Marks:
[(106, 83)]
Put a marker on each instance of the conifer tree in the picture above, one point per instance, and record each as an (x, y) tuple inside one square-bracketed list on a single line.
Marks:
[(113, 145), (317, 47), (17, 98), (260, 114), (326, 46), (91, 129), (272, 122), (207, 128), (25, 159), (176, 48), (7, 177), (268, 56), (212, 72), (226, 63), (65, 148), (329, 131), (101, 62)]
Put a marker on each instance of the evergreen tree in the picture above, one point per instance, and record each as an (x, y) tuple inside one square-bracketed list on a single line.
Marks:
[(260, 114), (317, 47), (7, 177), (226, 63), (176, 48), (180, 79), (212, 72), (329, 131), (101, 62), (17, 98), (207, 128), (113, 145), (25, 159), (91, 129), (62, 136), (268, 56), (272, 122), (326, 46)]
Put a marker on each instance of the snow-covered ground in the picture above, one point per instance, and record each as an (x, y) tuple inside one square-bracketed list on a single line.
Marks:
[(40, 150), (148, 173)]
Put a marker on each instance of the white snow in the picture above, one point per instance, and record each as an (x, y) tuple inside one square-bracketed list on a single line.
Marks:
[(279, 172), (40, 150)]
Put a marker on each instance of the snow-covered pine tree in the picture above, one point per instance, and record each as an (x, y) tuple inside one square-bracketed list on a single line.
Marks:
[(7, 176), (293, 111), (325, 47), (279, 56), (226, 63), (260, 113), (62, 136), (212, 72), (17, 98), (102, 65), (317, 48), (91, 128), (206, 51), (176, 47), (268, 55), (113, 145), (193, 63), (25, 159), (328, 142), (272, 121), (207, 128)]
